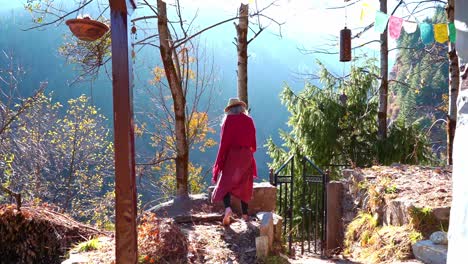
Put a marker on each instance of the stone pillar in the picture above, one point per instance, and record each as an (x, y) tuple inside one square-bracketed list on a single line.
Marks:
[(335, 230)]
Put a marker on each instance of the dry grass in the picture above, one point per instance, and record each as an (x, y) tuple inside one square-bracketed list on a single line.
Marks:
[(161, 241), (38, 234), (369, 243)]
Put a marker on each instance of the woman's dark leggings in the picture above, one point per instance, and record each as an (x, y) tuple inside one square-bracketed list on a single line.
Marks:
[(227, 203)]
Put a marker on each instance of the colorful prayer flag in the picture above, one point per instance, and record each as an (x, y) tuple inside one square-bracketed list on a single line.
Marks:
[(365, 10), (381, 20), (410, 27), (394, 27), (452, 32), (427, 34), (440, 33)]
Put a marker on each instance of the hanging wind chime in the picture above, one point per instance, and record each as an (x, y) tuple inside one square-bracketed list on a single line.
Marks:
[(345, 42), (345, 53)]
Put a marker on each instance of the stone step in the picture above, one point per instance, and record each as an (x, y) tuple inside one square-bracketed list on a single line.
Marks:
[(430, 253)]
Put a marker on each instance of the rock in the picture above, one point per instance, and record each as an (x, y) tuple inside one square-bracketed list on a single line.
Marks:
[(277, 228), (396, 213), (263, 200), (76, 259), (261, 243), (439, 238), (441, 213), (182, 206), (266, 228), (347, 173), (430, 253)]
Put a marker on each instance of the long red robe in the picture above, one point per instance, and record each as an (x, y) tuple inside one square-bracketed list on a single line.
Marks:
[(235, 164)]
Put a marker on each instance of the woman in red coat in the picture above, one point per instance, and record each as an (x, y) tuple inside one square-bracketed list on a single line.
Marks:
[(235, 166)]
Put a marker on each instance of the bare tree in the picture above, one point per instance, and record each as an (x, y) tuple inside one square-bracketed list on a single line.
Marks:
[(242, 42), (13, 109), (242, 30), (198, 74)]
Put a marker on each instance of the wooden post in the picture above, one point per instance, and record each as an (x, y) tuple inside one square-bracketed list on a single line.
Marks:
[(454, 83), (122, 87), (383, 91)]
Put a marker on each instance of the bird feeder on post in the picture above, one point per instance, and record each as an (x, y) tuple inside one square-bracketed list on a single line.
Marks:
[(126, 251), (87, 29), (345, 44)]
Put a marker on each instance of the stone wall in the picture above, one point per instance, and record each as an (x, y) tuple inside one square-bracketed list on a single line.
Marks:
[(264, 199), (397, 194)]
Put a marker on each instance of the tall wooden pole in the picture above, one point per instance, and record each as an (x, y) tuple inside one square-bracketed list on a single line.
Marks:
[(122, 87), (383, 90), (454, 83), (242, 30)]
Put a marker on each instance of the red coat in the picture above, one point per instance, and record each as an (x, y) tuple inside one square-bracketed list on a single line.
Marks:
[(235, 164)]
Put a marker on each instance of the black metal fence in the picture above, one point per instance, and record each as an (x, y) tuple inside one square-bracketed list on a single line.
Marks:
[(313, 209), (301, 202)]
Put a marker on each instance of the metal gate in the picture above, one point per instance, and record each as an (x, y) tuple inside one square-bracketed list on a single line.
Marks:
[(302, 203)]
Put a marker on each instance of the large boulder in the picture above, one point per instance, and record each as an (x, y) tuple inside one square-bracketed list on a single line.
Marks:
[(181, 206), (430, 253), (264, 199)]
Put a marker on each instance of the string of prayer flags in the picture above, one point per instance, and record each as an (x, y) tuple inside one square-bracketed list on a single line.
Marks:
[(410, 27), (394, 27), (452, 32), (427, 34), (441, 33), (381, 20)]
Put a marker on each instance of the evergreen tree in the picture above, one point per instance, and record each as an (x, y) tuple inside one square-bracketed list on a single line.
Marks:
[(421, 74), (335, 124)]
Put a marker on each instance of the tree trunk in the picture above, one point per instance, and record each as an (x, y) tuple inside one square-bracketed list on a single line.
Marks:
[(383, 90), (454, 83), (242, 30), (166, 50)]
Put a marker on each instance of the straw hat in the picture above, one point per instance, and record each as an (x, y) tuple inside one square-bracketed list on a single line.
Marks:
[(234, 102)]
